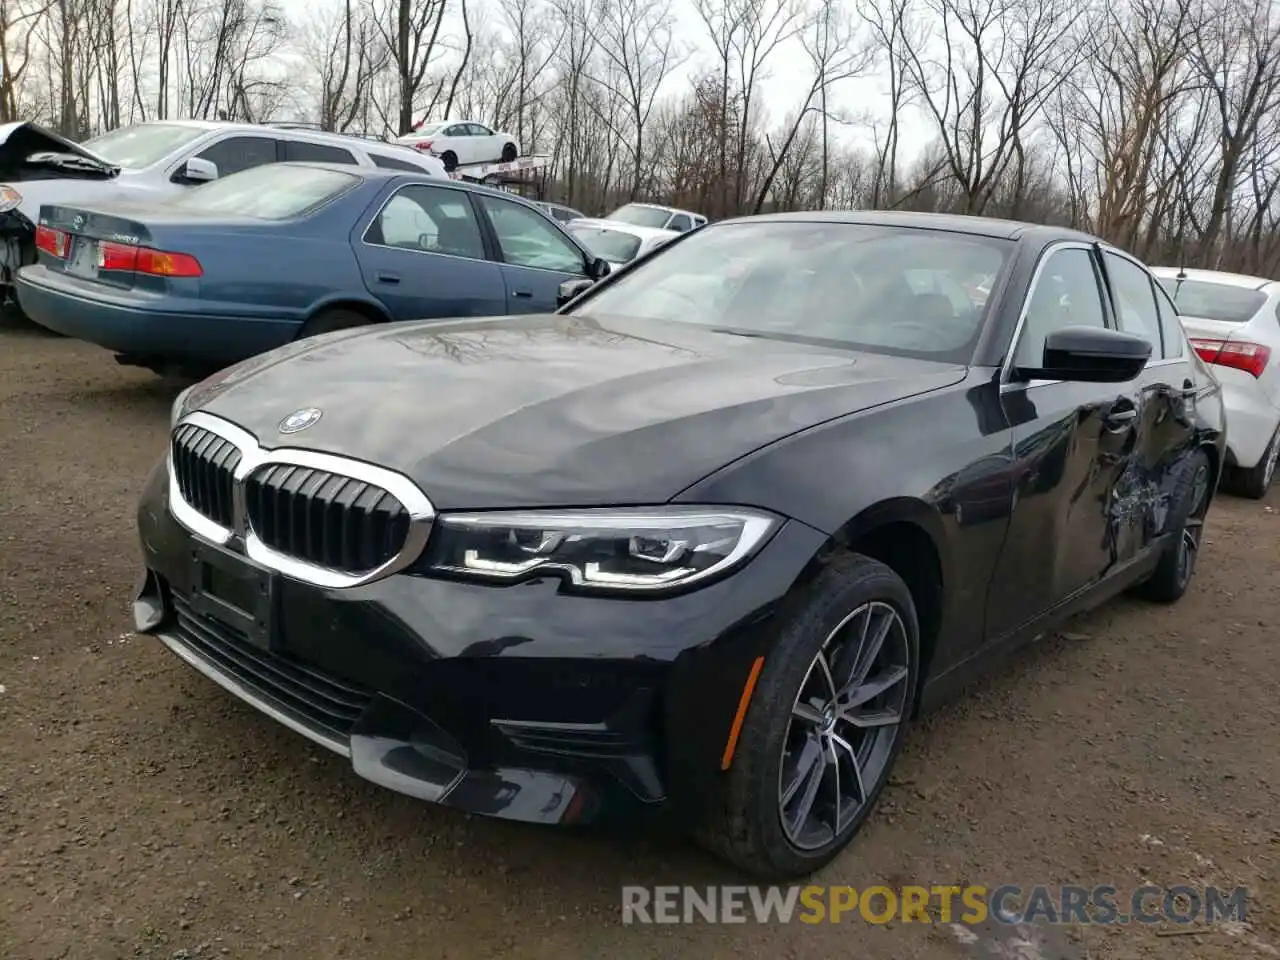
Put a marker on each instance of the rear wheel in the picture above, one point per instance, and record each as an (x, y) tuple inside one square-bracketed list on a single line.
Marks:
[(1191, 498), (509, 152), (328, 321), (450, 161), (1255, 483), (824, 727)]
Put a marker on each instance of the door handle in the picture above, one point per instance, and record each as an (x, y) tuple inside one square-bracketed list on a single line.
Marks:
[(1121, 415), (388, 278), (522, 293)]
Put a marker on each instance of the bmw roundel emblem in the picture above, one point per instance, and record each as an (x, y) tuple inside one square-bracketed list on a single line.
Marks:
[(300, 419)]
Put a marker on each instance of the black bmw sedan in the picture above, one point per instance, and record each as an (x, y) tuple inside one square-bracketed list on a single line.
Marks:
[(706, 540)]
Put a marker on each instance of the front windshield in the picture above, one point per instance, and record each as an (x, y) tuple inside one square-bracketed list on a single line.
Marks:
[(640, 216), (615, 246), (133, 148), (271, 192), (1213, 301), (896, 290)]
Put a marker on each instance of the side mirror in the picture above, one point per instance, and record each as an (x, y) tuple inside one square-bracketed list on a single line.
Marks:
[(598, 268), (570, 289), (1091, 355), (198, 170)]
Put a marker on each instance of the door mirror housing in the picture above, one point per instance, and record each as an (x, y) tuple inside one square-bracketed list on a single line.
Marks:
[(571, 289), (598, 268), (199, 170), (1091, 355)]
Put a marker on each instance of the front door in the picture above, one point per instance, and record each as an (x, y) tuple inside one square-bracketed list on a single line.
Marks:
[(1072, 444), (1167, 386), (537, 255), (423, 256)]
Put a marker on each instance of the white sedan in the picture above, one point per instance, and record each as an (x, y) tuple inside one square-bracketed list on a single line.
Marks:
[(462, 142), (1233, 323), (619, 243)]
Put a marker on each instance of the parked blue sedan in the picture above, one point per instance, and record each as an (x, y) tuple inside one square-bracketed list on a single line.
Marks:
[(262, 257)]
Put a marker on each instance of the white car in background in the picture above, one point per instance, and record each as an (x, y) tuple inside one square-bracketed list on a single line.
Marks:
[(657, 216), (151, 161), (1233, 323), (461, 142), (618, 243)]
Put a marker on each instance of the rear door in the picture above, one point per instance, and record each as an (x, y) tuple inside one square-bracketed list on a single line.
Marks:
[(423, 255), (1165, 432), (1072, 444), (537, 256)]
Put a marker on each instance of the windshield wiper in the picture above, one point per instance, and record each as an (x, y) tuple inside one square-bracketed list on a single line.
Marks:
[(72, 161)]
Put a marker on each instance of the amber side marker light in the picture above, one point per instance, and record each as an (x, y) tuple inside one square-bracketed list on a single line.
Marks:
[(732, 743)]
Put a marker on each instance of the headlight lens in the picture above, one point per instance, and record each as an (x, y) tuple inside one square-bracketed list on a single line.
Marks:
[(632, 549), (179, 407)]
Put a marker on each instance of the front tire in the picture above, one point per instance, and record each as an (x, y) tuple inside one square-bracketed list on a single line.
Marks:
[(450, 161), (1177, 563), (825, 724)]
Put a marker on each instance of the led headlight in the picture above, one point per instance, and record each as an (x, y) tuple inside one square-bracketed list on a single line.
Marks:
[(628, 549), (179, 407)]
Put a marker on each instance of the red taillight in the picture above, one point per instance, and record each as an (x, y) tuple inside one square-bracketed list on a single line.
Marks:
[(156, 263), (1243, 355), (53, 242), (423, 145)]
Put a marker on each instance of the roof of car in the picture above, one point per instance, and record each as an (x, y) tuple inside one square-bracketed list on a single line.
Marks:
[(301, 133), (951, 222), (644, 233), (1215, 276)]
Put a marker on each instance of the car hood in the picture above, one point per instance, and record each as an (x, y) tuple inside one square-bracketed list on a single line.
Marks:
[(20, 141), (553, 410)]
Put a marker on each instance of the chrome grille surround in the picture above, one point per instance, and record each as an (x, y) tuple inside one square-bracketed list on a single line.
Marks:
[(255, 457)]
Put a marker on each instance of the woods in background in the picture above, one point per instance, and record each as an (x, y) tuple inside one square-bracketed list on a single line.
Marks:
[(1152, 123)]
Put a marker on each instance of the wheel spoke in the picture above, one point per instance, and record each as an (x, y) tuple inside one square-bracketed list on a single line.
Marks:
[(812, 781), (870, 648), (856, 767), (807, 713), (810, 754), (839, 794), (872, 688), (872, 718), (821, 660)]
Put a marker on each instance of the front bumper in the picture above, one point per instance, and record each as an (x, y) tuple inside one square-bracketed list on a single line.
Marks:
[(518, 702), (136, 330)]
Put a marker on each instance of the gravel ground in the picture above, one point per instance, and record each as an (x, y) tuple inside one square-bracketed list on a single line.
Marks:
[(145, 813)]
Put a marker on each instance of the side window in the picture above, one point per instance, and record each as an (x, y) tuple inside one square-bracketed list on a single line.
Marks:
[(457, 130), (1135, 302), (529, 239), (428, 220), (391, 163), (476, 130), (240, 153), (316, 152), (680, 222), (1170, 326), (1067, 294)]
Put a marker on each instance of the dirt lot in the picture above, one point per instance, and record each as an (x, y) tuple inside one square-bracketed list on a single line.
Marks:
[(144, 813)]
